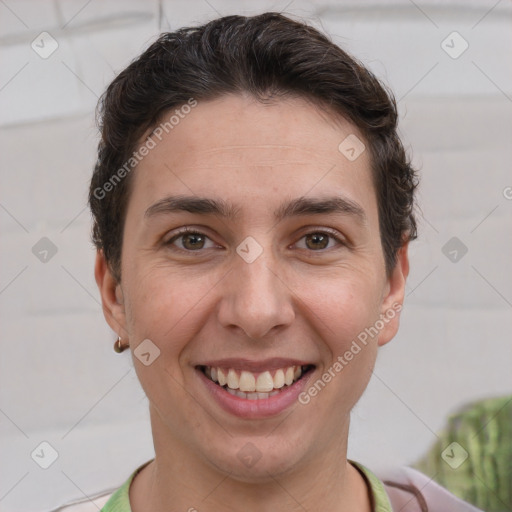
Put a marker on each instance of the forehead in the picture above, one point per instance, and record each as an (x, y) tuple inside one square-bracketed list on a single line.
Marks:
[(238, 147)]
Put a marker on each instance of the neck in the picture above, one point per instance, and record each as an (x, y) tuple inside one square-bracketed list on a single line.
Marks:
[(179, 479)]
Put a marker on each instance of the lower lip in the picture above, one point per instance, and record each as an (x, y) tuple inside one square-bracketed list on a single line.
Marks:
[(254, 409)]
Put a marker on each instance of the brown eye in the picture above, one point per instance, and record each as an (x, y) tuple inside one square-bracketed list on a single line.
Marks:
[(189, 240), (193, 241), (317, 240), (320, 240)]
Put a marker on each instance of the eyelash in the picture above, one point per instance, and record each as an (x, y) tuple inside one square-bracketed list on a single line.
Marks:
[(188, 231)]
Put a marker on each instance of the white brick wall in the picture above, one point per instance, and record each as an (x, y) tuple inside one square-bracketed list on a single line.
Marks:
[(57, 367)]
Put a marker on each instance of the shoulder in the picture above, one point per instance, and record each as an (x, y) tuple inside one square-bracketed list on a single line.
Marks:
[(91, 504), (409, 490), (115, 500)]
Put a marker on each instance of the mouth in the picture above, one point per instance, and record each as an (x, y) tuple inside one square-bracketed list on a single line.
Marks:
[(251, 385)]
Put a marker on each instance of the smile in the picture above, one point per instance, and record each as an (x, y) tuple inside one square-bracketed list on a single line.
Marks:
[(255, 385)]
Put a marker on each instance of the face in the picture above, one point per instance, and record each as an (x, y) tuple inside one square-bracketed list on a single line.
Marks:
[(282, 267)]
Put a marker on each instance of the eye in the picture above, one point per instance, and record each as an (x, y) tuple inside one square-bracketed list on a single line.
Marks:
[(319, 240), (191, 240)]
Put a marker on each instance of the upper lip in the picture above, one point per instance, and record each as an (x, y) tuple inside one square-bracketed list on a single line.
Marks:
[(272, 363)]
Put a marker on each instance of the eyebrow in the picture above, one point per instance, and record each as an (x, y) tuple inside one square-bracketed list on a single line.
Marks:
[(295, 207)]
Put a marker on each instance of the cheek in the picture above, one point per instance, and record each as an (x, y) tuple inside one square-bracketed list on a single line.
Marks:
[(163, 309), (345, 307), (167, 305), (344, 312), (344, 319)]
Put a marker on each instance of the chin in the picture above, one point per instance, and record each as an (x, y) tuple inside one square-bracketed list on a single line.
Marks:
[(256, 460)]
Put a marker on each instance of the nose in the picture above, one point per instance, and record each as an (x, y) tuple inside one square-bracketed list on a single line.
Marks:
[(257, 298)]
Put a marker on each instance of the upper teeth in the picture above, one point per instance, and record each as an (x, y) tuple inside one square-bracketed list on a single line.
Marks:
[(248, 382)]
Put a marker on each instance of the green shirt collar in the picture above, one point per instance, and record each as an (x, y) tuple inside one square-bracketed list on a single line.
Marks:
[(120, 499), (378, 495)]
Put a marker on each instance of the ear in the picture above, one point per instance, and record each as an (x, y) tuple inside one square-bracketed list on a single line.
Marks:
[(393, 299), (111, 296)]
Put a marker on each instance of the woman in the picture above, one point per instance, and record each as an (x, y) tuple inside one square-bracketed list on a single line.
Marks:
[(252, 208)]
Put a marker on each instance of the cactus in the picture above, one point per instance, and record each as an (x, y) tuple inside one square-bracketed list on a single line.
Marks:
[(478, 468)]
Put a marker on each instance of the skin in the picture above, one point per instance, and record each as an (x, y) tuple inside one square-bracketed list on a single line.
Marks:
[(299, 299)]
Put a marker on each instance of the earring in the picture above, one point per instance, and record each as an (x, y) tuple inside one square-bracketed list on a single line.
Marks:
[(118, 347)]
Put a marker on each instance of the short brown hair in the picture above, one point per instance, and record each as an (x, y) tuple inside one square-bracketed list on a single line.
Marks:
[(268, 56)]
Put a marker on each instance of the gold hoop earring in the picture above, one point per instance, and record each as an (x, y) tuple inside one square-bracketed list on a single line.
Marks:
[(118, 347)]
